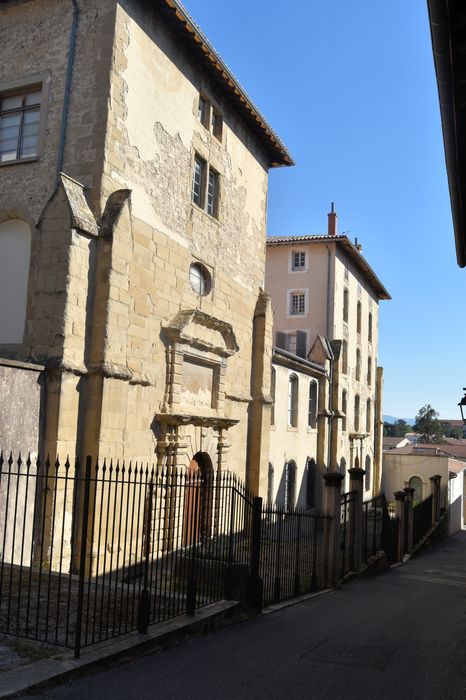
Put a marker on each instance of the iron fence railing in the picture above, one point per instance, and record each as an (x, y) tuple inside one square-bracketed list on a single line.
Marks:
[(292, 553), (422, 519), (91, 552), (347, 524), (389, 537), (372, 518)]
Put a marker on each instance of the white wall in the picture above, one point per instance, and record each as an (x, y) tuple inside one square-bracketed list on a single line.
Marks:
[(292, 443)]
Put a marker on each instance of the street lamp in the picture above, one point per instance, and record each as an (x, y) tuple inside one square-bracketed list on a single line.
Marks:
[(462, 405)]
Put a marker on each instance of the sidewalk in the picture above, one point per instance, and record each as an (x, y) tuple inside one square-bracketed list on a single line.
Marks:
[(401, 634)]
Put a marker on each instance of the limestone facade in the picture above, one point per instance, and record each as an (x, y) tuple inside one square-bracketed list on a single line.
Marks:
[(325, 294), (145, 298)]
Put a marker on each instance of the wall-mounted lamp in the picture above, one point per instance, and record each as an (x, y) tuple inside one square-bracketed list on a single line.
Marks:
[(462, 405)]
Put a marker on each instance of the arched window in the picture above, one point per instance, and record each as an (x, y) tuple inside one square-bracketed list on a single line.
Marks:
[(369, 371), (312, 409), (358, 317), (273, 380), (368, 416), (293, 401), (344, 408), (342, 465), (369, 329), (358, 365), (368, 476), (345, 305), (290, 486), (356, 413), (344, 356), (311, 483), (270, 476), (15, 249), (416, 483)]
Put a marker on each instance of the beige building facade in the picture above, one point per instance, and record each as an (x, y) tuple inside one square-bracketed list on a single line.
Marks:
[(298, 431), (323, 288), (133, 195)]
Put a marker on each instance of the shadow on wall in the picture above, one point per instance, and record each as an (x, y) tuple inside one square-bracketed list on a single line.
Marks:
[(310, 492)]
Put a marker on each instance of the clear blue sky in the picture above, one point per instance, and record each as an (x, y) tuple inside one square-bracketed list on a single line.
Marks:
[(350, 88)]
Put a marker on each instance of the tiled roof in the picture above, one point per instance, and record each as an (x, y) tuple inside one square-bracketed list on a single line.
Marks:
[(351, 252), (441, 450), (208, 58)]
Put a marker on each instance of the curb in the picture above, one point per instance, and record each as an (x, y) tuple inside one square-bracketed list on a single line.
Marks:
[(295, 601), (49, 672)]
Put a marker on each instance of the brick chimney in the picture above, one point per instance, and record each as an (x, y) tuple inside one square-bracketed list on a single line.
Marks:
[(332, 222)]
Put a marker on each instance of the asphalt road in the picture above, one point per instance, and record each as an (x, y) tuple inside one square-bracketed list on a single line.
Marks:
[(401, 634)]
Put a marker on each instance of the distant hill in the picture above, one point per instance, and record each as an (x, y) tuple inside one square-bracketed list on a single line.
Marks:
[(393, 419)]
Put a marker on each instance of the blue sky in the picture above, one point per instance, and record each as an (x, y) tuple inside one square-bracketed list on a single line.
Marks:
[(350, 88)]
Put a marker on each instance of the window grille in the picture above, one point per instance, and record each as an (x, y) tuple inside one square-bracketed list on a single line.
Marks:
[(297, 304), (298, 260)]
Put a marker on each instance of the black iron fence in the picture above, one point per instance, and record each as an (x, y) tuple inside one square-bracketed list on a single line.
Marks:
[(347, 525), (422, 519), (390, 526), (292, 553), (92, 552), (372, 520)]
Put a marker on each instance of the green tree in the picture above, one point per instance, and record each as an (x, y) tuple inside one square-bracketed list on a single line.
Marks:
[(450, 432), (400, 428), (427, 425), (387, 429)]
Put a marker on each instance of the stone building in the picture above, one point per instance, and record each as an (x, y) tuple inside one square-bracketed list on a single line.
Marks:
[(298, 430), (326, 302), (133, 194)]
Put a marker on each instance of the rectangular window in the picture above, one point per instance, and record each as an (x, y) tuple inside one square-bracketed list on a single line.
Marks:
[(205, 187), (212, 192), (203, 111), (198, 181), (298, 261), (217, 124), (297, 304), (19, 124)]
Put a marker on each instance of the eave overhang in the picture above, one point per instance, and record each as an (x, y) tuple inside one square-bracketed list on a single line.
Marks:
[(448, 32), (207, 57), (351, 252)]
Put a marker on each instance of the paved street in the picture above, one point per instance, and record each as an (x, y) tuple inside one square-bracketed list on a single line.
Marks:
[(399, 635)]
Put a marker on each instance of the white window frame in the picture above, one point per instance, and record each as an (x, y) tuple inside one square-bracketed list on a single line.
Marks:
[(289, 293), (299, 270)]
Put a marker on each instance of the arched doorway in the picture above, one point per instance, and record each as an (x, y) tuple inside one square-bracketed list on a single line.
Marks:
[(198, 502), (416, 483)]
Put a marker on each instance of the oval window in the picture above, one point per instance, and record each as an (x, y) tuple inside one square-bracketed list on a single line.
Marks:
[(200, 279)]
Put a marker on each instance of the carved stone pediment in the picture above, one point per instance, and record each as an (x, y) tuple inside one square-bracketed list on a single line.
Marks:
[(203, 332)]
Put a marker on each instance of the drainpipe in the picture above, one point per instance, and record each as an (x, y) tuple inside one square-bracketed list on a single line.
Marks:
[(330, 397), (66, 100)]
